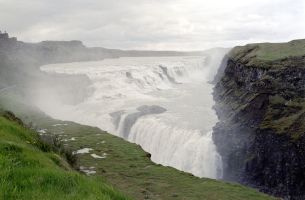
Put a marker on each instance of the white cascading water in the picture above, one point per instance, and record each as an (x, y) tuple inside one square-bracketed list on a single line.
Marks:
[(162, 103)]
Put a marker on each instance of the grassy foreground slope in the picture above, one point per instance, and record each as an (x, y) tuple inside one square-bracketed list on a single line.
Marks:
[(28, 173), (127, 167)]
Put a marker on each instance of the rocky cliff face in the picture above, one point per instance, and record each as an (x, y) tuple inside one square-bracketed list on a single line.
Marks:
[(260, 102)]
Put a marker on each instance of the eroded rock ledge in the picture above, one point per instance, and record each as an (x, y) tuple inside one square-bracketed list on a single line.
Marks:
[(260, 102)]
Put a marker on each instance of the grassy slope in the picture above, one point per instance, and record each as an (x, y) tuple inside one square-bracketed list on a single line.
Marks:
[(264, 52), (29, 173), (128, 168)]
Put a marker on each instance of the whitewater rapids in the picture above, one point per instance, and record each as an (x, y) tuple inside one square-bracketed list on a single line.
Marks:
[(163, 104)]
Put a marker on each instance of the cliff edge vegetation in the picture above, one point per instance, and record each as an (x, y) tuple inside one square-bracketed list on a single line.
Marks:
[(260, 54)]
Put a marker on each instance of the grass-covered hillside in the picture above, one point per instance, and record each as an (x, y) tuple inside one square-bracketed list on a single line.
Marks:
[(122, 164), (30, 170), (261, 53)]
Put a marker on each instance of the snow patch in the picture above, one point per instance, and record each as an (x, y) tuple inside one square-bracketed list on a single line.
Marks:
[(99, 157), (88, 171), (82, 151), (60, 125), (43, 131), (71, 139)]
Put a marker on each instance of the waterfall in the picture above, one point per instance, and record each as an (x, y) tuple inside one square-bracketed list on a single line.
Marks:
[(163, 104), (187, 150)]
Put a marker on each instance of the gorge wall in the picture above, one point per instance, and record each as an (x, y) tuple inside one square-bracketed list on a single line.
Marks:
[(260, 102)]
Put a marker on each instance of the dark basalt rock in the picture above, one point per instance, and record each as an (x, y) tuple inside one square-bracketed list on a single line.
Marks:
[(260, 135)]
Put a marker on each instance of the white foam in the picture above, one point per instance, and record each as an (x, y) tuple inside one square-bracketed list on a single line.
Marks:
[(186, 149), (180, 137)]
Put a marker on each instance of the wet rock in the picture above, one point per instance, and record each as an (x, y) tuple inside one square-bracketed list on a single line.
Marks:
[(260, 135)]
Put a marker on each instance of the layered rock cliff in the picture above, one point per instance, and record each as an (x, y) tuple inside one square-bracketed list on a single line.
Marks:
[(260, 102)]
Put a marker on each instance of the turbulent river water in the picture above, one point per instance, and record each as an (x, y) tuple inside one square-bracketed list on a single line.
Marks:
[(163, 104)]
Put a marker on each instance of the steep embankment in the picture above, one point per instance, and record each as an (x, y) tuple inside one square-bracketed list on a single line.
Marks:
[(29, 169), (260, 102)]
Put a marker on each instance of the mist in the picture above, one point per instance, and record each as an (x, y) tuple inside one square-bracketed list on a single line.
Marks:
[(122, 92), (149, 101)]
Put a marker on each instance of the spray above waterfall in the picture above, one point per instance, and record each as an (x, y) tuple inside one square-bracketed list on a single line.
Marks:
[(163, 104)]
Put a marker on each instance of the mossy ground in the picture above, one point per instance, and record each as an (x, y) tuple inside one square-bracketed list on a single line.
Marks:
[(285, 116), (278, 63), (260, 53), (128, 168)]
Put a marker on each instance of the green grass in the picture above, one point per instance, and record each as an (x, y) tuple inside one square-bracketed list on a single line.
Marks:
[(262, 52), (275, 51), (29, 173), (128, 168), (285, 116)]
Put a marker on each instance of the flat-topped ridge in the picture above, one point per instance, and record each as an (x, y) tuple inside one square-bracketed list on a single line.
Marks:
[(260, 54)]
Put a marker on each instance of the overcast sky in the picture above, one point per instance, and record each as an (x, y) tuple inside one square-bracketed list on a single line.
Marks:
[(154, 24)]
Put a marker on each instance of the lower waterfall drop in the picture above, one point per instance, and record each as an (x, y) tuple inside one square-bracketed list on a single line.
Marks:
[(187, 150)]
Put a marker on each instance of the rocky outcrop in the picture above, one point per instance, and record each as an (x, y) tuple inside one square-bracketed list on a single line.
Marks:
[(260, 102)]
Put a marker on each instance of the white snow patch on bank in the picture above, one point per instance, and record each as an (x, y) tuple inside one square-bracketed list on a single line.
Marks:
[(60, 125), (88, 171), (99, 157), (42, 131), (82, 151), (71, 139)]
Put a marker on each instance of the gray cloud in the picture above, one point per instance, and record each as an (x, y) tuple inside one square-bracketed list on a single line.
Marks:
[(154, 24)]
